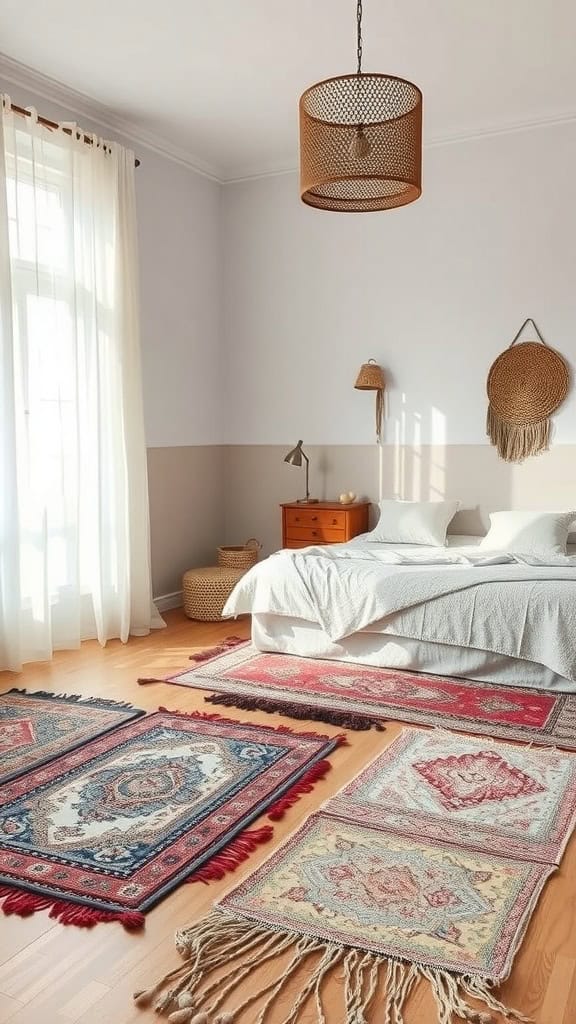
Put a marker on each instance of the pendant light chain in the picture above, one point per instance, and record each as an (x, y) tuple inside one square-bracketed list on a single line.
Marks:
[(359, 36)]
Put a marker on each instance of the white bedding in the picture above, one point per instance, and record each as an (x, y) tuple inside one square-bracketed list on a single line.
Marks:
[(456, 596), (283, 635)]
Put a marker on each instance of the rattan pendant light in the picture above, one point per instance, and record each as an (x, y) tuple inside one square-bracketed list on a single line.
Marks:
[(361, 140)]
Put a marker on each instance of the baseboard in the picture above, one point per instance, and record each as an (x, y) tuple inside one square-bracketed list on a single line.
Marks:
[(167, 601)]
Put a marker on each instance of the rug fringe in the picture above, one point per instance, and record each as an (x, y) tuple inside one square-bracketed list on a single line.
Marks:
[(211, 652), (77, 698), (24, 904), (348, 720), (239, 849), (190, 993), (227, 644), (304, 785), (235, 853), (340, 740)]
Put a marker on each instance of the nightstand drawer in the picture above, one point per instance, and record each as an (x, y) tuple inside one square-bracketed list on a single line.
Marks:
[(320, 517), (327, 522), (315, 535)]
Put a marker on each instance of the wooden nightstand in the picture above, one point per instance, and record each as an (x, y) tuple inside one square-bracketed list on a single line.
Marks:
[(326, 522)]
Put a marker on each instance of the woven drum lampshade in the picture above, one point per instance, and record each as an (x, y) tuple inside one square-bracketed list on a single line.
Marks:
[(361, 143), (360, 140)]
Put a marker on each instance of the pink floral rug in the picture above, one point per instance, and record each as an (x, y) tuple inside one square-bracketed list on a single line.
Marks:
[(360, 696), (424, 870)]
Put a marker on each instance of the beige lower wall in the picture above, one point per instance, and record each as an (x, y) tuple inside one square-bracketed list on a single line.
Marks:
[(202, 496), (256, 480), (186, 511)]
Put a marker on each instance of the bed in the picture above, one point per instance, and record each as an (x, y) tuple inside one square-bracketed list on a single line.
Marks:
[(446, 611)]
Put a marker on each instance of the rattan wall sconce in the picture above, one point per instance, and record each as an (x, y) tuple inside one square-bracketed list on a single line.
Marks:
[(361, 140), (371, 378)]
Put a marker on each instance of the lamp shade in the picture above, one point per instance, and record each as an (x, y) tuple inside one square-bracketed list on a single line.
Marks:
[(370, 377), (361, 143), (294, 457)]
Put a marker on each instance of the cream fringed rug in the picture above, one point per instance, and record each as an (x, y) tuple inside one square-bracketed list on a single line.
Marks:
[(424, 870)]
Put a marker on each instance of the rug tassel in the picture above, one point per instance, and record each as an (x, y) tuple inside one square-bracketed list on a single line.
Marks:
[(318, 975), (24, 904), (222, 648), (479, 988), (77, 698), (272, 989), (304, 785), (244, 947), (345, 719), (234, 854)]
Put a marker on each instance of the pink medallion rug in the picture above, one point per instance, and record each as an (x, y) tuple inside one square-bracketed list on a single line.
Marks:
[(424, 870), (359, 696)]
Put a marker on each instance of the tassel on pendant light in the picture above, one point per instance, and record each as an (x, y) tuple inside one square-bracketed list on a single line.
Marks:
[(361, 140)]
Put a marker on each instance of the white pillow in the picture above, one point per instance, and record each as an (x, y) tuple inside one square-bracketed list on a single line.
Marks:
[(529, 533), (413, 522)]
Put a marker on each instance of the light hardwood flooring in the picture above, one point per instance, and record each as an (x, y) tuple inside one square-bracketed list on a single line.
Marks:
[(51, 974)]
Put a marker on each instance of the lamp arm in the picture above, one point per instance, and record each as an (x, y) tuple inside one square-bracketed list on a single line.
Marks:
[(307, 464)]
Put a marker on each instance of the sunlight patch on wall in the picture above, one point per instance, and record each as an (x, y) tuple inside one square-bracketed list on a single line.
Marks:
[(437, 484), (419, 469)]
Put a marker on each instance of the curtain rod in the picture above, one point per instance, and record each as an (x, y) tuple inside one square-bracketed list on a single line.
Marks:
[(53, 124)]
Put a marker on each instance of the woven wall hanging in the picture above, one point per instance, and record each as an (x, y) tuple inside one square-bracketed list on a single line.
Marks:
[(526, 384)]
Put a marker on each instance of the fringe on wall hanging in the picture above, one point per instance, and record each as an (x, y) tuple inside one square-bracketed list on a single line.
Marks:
[(526, 384)]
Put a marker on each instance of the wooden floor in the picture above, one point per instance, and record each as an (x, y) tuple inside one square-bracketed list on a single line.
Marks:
[(55, 975)]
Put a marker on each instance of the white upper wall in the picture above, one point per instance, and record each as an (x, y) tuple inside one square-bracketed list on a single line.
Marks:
[(180, 285), (286, 302), (180, 278), (433, 291), (221, 80)]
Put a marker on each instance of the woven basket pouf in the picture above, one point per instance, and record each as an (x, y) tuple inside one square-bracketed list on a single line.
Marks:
[(205, 591)]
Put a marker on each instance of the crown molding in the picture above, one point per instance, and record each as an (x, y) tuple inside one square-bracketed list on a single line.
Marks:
[(85, 106), (14, 72), (246, 173), (491, 131)]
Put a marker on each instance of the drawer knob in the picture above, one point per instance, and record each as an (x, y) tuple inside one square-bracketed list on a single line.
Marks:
[(334, 521), (314, 533), (314, 519), (297, 519)]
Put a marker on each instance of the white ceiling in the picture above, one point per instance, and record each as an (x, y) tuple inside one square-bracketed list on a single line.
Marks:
[(221, 80)]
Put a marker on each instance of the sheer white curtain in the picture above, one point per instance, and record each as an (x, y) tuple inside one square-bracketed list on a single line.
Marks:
[(74, 531)]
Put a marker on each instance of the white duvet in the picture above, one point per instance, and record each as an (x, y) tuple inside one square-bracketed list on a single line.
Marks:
[(507, 604)]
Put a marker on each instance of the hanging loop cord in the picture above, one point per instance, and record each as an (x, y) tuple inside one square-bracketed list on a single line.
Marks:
[(359, 36), (528, 320)]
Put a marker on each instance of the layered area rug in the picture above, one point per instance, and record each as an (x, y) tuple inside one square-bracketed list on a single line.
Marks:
[(37, 727), (105, 832), (424, 870), (359, 696)]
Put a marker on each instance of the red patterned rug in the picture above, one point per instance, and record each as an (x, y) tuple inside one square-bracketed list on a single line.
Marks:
[(105, 832), (359, 696), (37, 727)]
